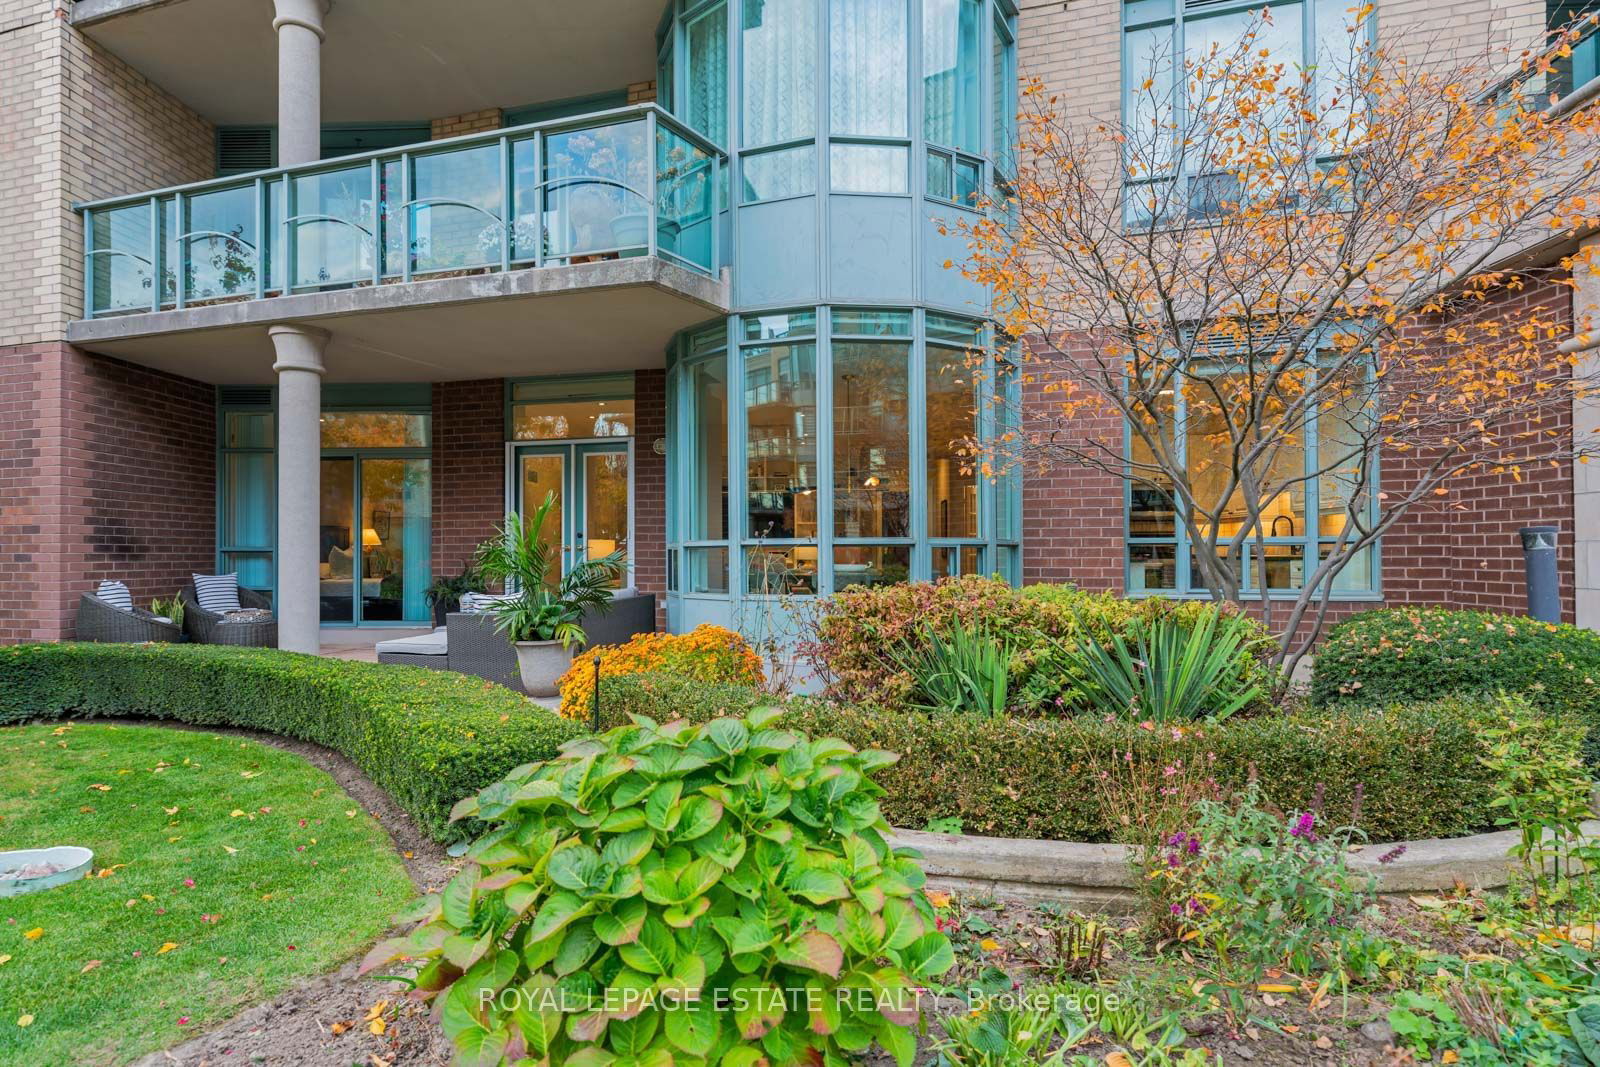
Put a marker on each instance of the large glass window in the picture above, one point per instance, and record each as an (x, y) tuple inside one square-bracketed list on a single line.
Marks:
[(706, 42), (1003, 71), (952, 74), (871, 439), (572, 408), (952, 390), (1316, 495), (247, 530), (779, 81), (839, 475), (780, 400), (1319, 36), (867, 68)]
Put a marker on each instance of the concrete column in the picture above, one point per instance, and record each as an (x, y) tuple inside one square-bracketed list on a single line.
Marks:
[(299, 368), (1586, 434), (299, 27)]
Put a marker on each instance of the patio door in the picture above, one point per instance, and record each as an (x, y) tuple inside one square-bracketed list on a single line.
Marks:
[(593, 489), (376, 532)]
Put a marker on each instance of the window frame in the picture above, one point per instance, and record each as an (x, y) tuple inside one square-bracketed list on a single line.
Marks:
[(1176, 20), (1310, 543)]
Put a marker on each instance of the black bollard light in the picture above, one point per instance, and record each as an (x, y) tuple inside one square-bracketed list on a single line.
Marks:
[(596, 726), (1539, 565)]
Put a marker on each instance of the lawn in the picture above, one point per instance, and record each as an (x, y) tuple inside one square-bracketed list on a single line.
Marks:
[(224, 871)]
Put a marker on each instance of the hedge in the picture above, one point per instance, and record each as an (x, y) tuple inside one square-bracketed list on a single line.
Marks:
[(1418, 764), (1422, 653), (427, 738)]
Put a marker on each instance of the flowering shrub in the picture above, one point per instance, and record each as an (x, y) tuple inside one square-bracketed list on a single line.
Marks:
[(1423, 653), (712, 894), (707, 653), (1258, 888), (852, 631)]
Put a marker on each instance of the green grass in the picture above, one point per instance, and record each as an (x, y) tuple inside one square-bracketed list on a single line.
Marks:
[(289, 878)]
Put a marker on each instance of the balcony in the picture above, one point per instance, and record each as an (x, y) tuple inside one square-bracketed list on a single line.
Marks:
[(454, 258)]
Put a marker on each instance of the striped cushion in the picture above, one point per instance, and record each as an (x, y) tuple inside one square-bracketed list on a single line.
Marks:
[(116, 594), (217, 593), (481, 603)]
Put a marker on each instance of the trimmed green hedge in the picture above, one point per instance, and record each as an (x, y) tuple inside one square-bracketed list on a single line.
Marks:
[(427, 738), (1418, 765), (1378, 657)]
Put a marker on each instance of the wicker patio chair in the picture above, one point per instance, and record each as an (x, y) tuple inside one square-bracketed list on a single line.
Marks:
[(209, 628), (100, 621), (476, 647)]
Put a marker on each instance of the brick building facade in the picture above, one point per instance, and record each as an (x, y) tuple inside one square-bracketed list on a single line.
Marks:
[(523, 256)]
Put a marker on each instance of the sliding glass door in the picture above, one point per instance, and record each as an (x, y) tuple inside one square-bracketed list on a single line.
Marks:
[(376, 532)]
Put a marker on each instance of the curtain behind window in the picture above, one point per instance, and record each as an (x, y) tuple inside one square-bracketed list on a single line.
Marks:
[(952, 88), (867, 55), (779, 39)]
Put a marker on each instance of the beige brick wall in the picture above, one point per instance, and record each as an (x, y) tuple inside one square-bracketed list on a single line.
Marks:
[(472, 122), (76, 123), (1074, 47), (642, 92)]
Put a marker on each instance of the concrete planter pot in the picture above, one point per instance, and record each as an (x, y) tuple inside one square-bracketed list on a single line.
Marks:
[(541, 664)]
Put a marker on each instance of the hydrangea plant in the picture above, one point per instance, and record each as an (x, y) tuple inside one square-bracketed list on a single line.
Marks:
[(679, 896)]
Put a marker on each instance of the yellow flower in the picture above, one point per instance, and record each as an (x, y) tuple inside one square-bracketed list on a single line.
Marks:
[(989, 944), (939, 900)]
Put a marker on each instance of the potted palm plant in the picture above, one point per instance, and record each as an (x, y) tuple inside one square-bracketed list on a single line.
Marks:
[(540, 616)]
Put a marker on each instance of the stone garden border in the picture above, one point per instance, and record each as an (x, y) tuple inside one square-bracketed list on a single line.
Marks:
[(1098, 877)]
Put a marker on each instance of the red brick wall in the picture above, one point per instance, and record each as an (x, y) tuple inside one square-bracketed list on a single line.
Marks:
[(469, 468), (650, 488), (107, 470), (1462, 552)]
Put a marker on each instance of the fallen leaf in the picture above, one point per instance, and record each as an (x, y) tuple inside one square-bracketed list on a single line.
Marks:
[(235, 813), (409, 855), (249, 774), (377, 1027), (230, 851), (939, 900), (338, 1028), (1291, 1029), (376, 1010), (101, 788), (170, 811), (351, 813), (25, 1020), (1325, 1042), (1275, 987), (167, 947), (91, 965), (1118, 1059), (989, 944), (35, 934), (5, 958), (1431, 903)]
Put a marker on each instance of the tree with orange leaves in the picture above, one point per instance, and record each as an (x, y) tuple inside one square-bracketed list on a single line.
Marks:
[(1266, 278)]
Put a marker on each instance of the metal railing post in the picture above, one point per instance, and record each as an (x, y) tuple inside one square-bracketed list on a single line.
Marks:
[(155, 254), (377, 223), (180, 216), (506, 221)]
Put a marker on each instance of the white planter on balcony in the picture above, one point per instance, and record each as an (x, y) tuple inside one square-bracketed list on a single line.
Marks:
[(631, 230)]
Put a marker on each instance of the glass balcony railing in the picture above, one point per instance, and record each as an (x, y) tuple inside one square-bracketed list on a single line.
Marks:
[(615, 184)]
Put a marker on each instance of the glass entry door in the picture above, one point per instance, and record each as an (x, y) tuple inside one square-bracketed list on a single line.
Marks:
[(375, 530), (593, 488)]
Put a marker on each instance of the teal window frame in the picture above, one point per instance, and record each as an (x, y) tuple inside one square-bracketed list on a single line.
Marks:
[(1175, 16), (1310, 540), (997, 546), (225, 490)]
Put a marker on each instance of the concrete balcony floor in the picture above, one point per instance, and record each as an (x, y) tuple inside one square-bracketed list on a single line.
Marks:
[(610, 315)]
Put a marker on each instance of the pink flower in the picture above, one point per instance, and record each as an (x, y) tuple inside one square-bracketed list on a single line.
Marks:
[(183, 1020), (188, 883)]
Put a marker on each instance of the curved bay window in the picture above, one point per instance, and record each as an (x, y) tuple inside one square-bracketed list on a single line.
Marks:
[(815, 449)]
